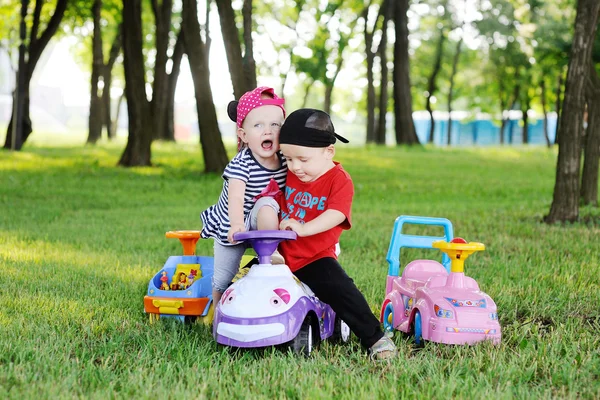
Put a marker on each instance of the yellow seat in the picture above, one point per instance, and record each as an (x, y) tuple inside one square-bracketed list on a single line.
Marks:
[(182, 272)]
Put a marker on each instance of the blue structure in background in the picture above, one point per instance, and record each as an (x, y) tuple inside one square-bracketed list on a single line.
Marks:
[(484, 132)]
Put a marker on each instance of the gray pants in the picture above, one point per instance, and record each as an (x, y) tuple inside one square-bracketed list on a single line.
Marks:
[(227, 257)]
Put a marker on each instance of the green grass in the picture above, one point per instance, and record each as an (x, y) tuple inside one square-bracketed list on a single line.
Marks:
[(80, 238)]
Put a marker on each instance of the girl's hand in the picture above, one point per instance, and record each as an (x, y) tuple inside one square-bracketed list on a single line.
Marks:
[(235, 228), (292, 225)]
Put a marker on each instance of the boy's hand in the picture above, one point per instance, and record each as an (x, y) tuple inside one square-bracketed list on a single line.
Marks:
[(235, 228), (292, 225)]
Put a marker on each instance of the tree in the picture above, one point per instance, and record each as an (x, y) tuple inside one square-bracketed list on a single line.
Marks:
[(455, 59), (443, 23), (100, 107), (215, 156), (405, 127), (28, 58), (565, 203), (289, 18), (552, 39), (381, 125), (431, 84), (370, 52), (589, 176), (242, 68), (176, 57), (334, 27), (93, 44), (160, 84), (138, 149), (504, 50)]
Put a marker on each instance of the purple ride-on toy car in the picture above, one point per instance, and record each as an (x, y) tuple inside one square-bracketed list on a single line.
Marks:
[(270, 306), (437, 302)]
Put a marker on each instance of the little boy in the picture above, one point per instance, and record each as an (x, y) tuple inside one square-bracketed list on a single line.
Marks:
[(316, 205)]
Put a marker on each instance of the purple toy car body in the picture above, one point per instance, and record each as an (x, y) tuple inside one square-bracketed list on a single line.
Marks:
[(270, 306)]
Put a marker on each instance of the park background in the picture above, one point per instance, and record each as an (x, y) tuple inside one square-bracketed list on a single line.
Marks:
[(82, 230)]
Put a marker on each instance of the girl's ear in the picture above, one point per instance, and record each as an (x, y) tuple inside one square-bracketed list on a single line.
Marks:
[(241, 133)]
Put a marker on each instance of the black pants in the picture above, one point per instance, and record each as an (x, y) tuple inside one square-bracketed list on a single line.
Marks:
[(331, 284)]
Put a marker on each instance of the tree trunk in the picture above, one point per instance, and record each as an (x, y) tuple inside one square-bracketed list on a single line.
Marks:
[(25, 121), (591, 161), (207, 38), (115, 49), (178, 51), (95, 117), (370, 98), (558, 104), (385, 7), (431, 83), (115, 122), (545, 111), (383, 87), (525, 111), (162, 18), (215, 156), (330, 83), (307, 87), (526, 103), (525, 131), (405, 127), (451, 89), (138, 149), (28, 58), (233, 49), (515, 97), (565, 202), (18, 129), (248, 63), (504, 119), (106, 104), (327, 100), (370, 58)]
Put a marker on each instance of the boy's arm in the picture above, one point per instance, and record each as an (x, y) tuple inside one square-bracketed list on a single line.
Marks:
[(329, 219), (235, 196)]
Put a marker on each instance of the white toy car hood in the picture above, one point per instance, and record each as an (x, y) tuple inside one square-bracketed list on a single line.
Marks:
[(266, 291)]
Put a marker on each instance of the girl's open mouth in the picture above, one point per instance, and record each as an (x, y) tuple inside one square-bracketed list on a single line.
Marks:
[(267, 145)]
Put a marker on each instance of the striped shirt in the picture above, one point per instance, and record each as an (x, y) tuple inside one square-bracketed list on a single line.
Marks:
[(243, 166)]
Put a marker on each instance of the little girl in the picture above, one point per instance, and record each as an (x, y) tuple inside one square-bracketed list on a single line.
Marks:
[(245, 202)]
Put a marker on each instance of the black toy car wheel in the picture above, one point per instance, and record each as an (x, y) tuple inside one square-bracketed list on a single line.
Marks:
[(341, 331), (304, 342)]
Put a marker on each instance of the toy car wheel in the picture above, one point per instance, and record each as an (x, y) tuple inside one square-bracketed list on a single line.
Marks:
[(208, 318), (418, 329), (388, 318), (303, 342), (341, 331)]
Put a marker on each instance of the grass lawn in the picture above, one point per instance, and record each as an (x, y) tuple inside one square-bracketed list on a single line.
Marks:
[(80, 238)]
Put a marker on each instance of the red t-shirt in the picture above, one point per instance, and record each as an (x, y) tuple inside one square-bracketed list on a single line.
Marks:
[(305, 202)]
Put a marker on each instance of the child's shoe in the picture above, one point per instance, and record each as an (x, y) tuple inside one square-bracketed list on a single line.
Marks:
[(277, 258), (383, 349)]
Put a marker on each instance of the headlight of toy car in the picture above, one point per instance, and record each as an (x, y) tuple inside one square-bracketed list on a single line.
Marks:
[(441, 313)]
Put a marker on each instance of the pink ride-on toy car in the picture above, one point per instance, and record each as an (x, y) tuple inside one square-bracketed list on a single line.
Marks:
[(437, 302)]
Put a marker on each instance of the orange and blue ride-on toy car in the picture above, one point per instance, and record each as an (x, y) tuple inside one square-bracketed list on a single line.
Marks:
[(182, 288)]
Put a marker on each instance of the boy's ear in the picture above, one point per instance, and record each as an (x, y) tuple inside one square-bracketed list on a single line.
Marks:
[(330, 152)]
